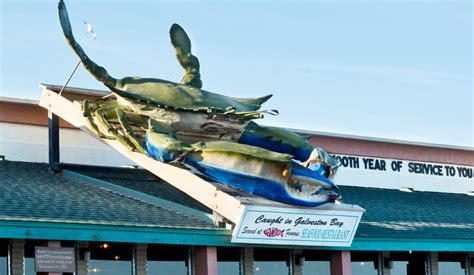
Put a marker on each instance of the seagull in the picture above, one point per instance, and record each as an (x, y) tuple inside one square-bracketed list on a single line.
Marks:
[(90, 29)]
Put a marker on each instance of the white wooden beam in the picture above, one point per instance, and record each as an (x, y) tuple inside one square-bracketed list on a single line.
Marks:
[(199, 189)]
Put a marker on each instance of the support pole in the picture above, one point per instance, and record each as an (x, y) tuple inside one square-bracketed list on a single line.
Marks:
[(432, 263), (296, 262), (82, 258), (140, 259), (17, 256), (205, 260), (341, 263), (53, 142), (246, 261), (470, 263), (384, 263)]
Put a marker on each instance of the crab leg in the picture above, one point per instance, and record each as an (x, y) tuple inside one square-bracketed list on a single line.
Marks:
[(186, 59), (123, 119), (105, 113), (97, 71), (88, 107)]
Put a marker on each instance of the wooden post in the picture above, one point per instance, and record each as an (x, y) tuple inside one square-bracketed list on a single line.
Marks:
[(384, 263), (246, 261), (82, 263), (17, 254), (341, 263), (470, 263), (139, 259), (296, 262), (205, 260), (432, 263), (53, 142)]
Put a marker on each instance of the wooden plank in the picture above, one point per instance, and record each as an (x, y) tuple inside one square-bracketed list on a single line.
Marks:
[(199, 189)]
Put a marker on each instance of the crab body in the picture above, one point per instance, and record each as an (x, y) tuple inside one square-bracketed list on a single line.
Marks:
[(184, 97), (209, 133)]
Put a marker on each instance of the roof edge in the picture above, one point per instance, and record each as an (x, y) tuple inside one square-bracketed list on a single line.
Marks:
[(19, 100), (141, 196), (385, 140), (81, 232)]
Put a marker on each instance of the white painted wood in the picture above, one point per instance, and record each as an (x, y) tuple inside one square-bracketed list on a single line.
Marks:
[(201, 190)]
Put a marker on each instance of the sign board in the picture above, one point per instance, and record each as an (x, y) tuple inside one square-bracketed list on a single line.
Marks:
[(55, 259), (296, 226), (391, 173)]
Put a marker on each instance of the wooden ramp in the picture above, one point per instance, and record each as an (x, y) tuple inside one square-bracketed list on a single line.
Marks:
[(225, 201)]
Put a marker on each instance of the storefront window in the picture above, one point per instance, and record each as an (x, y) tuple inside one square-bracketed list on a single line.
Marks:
[(167, 259), (110, 258), (228, 260), (316, 262), (407, 262), (4, 256), (451, 263), (270, 261), (30, 255), (399, 268), (364, 263)]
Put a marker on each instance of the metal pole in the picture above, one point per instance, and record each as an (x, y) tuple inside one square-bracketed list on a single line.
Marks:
[(190, 261), (53, 140), (241, 261), (290, 262), (134, 259), (70, 76), (9, 258)]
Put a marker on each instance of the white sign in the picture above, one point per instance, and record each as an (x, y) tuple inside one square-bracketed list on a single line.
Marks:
[(395, 174), (293, 226), (55, 259)]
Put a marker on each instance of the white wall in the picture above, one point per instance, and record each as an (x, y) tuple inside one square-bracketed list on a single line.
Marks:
[(21, 142)]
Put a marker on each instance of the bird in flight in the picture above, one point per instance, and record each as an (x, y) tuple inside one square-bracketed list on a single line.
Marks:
[(90, 29)]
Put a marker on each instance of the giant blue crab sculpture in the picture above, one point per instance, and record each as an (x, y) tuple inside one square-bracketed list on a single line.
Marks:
[(211, 134)]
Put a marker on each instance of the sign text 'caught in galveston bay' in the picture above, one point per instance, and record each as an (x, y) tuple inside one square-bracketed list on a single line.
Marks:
[(294, 226)]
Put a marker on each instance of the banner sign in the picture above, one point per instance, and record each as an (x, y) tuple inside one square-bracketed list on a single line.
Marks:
[(392, 173), (55, 259), (293, 226)]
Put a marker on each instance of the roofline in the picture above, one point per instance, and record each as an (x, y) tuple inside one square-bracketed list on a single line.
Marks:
[(75, 90), (379, 139), (131, 193), (94, 232), (19, 100)]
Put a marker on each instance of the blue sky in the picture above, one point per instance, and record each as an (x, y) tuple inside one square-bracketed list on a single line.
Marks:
[(398, 69)]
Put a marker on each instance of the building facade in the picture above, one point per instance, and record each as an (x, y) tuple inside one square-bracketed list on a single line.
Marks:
[(119, 219)]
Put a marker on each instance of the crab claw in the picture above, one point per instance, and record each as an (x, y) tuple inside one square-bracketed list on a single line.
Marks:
[(161, 143)]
